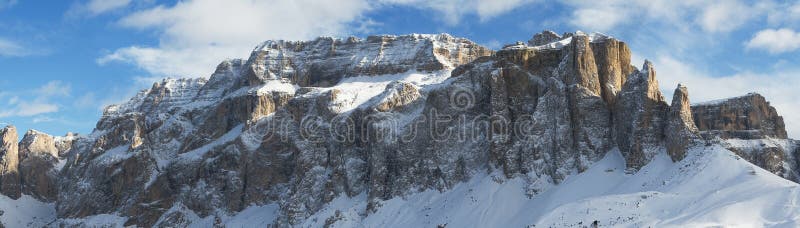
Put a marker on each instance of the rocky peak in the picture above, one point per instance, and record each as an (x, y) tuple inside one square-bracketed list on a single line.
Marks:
[(597, 73), (325, 61), (545, 37), (581, 65), (222, 80), (613, 59), (598, 62), (639, 116), (163, 95), (38, 168), (64, 143), (680, 130), (9, 162), (36, 143), (746, 117)]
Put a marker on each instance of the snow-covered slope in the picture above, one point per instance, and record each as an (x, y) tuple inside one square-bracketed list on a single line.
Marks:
[(712, 187), (25, 212)]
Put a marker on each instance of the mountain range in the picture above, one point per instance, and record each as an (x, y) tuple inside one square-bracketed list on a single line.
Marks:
[(413, 131)]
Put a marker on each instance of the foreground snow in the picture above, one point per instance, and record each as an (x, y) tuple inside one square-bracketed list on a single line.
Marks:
[(25, 212), (711, 187)]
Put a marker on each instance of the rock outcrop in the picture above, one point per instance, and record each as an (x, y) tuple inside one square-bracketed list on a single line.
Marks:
[(745, 117), (640, 117), (749, 126), (613, 66), (9, 165), (38, 156), (543, 38), (680, 131)]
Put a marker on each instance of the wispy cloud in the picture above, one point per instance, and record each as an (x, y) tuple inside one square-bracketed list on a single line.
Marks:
[(10, 48), (54, 88), (775, 41), (21, 48), (42, 119), (192, 42), (102, 6), (7, 3), (41, 101), (710, 16), (453, 11)]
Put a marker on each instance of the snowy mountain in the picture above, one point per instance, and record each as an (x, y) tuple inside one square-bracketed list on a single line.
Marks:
[(413, 130)]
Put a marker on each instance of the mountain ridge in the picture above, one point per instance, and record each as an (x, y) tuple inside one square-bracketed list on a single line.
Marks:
[(275, 129)]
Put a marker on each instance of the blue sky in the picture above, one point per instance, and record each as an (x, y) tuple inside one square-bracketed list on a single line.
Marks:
[(62, 61)]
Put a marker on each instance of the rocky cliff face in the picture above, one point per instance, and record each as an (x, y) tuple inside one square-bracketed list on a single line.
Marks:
[(31, 166), (9, 173), (301, 123), (746, 117), (680, 128), (38, 160), (751, 127), (640, 117), (325, 61)]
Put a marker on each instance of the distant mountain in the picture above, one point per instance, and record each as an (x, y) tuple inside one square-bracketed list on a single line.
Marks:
[(413, 131)]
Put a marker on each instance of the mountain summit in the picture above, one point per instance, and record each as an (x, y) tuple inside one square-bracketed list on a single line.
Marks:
[(413, 130)]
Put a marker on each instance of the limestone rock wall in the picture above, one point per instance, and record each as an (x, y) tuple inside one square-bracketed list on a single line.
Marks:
[(749, 117), (9, 162)]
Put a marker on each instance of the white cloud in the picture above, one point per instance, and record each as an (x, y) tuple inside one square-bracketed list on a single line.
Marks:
[(779, 87), (601, 18), (781, 13), (31, 109), (453, 11), (54, 88), (725, 16), (13, 100), (487, 9), (10, 48), (794, 11), (710, 16), (41, 101), (775, 41), (25, 109), (102, 6), (196, 35), (88, 100), (42, 119)]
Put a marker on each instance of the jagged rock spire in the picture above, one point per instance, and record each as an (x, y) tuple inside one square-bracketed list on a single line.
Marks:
[(680, 131), (639, 117)]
